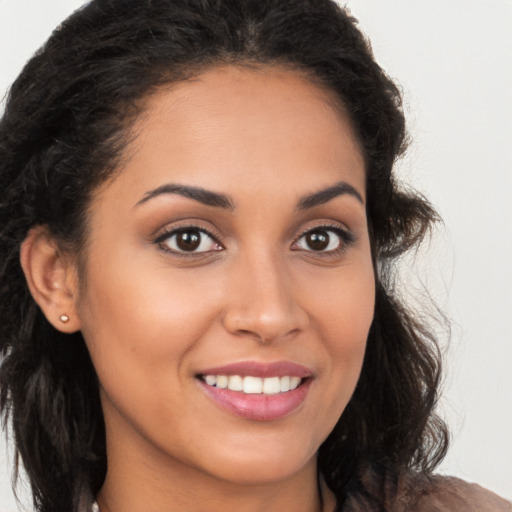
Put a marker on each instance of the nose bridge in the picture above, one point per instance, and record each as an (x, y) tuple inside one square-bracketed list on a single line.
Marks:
[(262, 299)]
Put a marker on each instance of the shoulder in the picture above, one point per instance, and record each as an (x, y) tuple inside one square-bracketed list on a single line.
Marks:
[(392, 490), (437, 493)]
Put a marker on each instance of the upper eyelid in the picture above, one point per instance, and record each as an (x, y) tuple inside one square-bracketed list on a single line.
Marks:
[(168, 231), (326, 226)]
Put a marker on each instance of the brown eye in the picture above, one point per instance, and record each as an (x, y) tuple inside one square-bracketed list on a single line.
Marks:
[(323, 240), (191, 240), (188, 240), (317, 240)]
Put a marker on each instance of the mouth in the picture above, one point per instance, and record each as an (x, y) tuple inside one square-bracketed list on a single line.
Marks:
[(255, 391), (252, 385)]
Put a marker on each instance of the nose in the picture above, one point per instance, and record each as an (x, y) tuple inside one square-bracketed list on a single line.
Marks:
[(263, 300)]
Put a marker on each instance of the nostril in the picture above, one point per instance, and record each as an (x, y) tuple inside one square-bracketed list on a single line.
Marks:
[(262, 339)]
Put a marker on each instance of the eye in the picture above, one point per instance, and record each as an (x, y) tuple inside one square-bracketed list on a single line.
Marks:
[(323, 240), (188, 240)]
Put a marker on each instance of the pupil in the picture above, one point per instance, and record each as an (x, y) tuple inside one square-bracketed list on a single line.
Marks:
[(188, 240), (318, 240)]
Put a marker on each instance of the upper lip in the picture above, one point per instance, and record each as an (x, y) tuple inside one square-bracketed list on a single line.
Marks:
[(258, 369)]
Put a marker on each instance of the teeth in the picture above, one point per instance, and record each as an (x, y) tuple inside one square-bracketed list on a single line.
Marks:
[(294, 382), (285, 383), (211, 380), (254, 385), (235, 383), (271, 386), (221, 381)]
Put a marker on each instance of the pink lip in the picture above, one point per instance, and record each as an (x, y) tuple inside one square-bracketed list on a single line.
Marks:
[(262, 370), (259, 407)]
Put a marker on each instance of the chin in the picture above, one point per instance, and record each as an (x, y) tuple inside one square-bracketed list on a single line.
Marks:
[(262, 466)]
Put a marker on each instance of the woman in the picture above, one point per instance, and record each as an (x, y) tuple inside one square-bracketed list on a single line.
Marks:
[(199, 226)]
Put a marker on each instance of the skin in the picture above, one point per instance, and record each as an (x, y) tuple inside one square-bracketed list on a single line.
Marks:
[(152, 318)]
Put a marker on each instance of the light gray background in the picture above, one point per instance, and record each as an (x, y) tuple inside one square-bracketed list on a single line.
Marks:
[(453, 59)]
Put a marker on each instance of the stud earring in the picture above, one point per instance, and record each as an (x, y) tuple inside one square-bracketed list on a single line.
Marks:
[(64, 318)]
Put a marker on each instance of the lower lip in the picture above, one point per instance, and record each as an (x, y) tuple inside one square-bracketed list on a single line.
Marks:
[(258, 407)]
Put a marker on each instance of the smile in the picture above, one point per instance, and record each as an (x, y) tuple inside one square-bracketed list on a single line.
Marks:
[(257, 391), (252, 385)]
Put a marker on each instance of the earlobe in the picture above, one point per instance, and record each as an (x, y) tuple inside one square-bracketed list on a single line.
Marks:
[(52, 278)]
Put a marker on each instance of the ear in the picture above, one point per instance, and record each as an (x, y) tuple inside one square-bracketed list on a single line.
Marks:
[(52, 279)]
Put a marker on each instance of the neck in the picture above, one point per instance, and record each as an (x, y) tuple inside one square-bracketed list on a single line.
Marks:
[(186, 491)]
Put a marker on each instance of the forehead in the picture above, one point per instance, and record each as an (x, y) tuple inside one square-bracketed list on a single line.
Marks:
[(233, 126)]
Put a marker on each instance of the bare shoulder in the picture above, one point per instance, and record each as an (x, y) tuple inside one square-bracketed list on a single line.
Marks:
[(450, 494)]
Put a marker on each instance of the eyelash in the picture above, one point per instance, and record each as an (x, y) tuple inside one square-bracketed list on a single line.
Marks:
[(347, 239), (168, 234)]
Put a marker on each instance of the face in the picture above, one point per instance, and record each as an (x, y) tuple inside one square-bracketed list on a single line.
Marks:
[(229, 286)]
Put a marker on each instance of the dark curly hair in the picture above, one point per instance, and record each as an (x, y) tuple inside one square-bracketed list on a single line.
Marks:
[(66, 124)]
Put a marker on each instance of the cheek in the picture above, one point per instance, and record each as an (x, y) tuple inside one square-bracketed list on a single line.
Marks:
[(343, 310), (141, 333), (138, 316), (343, 304)]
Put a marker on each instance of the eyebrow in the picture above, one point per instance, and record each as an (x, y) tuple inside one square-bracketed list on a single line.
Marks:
[(209, 198), (198, 194), (325, 195)]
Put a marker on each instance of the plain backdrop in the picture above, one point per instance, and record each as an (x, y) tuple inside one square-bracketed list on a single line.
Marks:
[(453, 60)]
